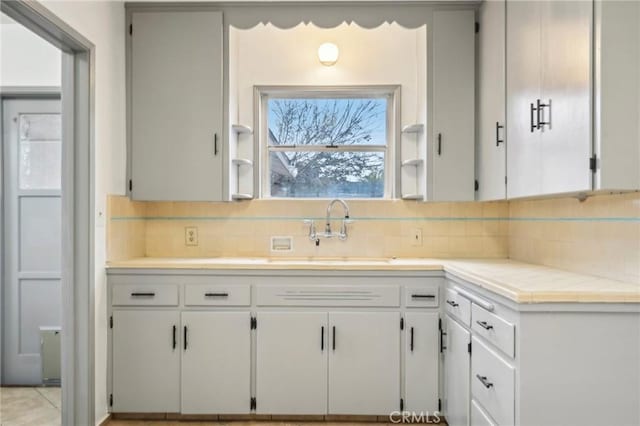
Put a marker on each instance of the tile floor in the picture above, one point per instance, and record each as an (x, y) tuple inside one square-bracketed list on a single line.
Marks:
[(33, 406)]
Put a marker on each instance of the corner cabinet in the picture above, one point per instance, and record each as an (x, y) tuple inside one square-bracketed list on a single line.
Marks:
[(549, 99), (175, 105), (491, 144)]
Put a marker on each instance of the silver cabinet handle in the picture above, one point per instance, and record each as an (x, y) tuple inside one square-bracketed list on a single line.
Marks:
[(484, 381)]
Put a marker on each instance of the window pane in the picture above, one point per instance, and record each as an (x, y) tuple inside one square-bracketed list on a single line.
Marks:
[(40, 161), (326, 174), (340, 121)]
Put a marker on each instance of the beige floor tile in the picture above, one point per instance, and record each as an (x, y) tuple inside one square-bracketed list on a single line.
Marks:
[(29, 406)]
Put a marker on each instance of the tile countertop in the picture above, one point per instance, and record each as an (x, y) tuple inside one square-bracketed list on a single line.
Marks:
[(517, 281)]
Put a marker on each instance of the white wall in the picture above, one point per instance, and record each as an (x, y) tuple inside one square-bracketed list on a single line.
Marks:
[(102, 22), (388, 54), (25, 58)]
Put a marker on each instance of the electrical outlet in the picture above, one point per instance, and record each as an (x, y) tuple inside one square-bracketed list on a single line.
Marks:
[(416, 237), (191, 236)]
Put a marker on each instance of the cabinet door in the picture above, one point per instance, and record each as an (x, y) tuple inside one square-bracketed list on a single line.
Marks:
[(566, 85), (524, 156), (453, 138), (216, 362), (491, 149), (291, 363), (175, 115), (421, 359), (364, 363), (456, 377), (146, 362)]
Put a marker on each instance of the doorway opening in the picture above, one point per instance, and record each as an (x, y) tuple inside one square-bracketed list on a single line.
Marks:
[(47, 242)]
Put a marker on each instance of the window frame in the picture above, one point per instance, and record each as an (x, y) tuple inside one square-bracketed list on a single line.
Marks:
[(262, 94)]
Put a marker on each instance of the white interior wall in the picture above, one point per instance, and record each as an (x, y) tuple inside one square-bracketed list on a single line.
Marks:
[(388, 54), (26, 59), (103, 23)]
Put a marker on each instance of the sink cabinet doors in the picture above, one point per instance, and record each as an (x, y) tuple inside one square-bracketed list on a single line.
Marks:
[(353, 357)]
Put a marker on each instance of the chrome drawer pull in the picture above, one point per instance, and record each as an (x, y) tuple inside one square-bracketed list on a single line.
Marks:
[(216, 294), (483, 380), (143, 294), (484, 325), (452, 303)]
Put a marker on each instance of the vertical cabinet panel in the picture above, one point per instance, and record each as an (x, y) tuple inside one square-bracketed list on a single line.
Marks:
[(364, 363), (566, 88), (421, 358), (524, 156), (453, 138), (456, 378), (175, 117), (491, 142), (216, 362), (291, 370), (146, 365)]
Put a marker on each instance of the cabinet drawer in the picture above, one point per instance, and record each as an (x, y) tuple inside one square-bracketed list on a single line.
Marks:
[(458, 306), (493, 328), (421, 296), (479, 417), (144, 295), (492, 383), (328, 295), (217, 295)]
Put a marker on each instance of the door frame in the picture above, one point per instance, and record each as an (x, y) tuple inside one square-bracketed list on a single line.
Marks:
[(78, 204)]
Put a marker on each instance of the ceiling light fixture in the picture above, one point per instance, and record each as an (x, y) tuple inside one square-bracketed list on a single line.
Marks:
[(328, 54)]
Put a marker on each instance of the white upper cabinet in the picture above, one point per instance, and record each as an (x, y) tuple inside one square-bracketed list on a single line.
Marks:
[(453, 101), (175, 105), (548, 97), (491, 136), (617, 94)]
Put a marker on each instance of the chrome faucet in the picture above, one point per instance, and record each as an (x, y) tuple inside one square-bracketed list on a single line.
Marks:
[(328, 233), (343, 228)]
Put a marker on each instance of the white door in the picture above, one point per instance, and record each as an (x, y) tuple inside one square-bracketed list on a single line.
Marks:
[(566, 86), (453, 139), (291, 363), (491, 139), (146, 361), (364, 363), (216, 363), (176, 105), (421, 359), (32, 187), (524, 155), (456, 374)]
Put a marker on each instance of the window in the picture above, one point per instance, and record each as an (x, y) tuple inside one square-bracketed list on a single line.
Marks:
[(327, 143)]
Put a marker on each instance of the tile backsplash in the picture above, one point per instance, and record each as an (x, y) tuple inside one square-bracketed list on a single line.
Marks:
[(599, 236)]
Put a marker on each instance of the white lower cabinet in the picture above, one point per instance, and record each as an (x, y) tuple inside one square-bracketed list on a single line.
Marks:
[(364, 363), (456, 377), (216, 362), (291, 363), (421, 358), (146, 361), (479, 417)]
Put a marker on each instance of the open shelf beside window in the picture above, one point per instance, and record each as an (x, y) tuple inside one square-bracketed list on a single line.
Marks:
[(241, 129), (413, 128), (413, 162), (413, 197), (242, 167)]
